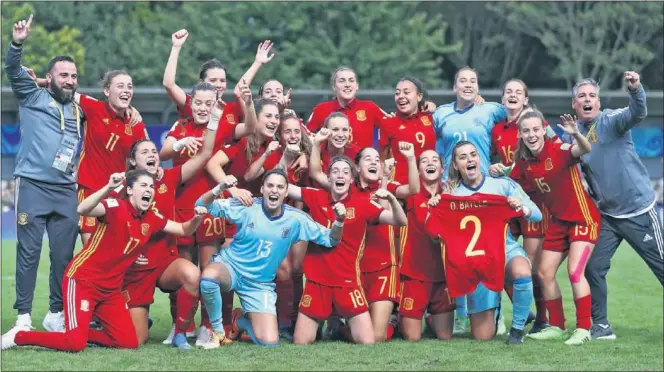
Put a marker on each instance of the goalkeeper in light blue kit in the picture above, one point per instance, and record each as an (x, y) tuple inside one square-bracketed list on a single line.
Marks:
[(265, 232)]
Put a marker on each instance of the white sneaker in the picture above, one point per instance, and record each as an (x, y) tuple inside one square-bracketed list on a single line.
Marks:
[(502, 329), (460, 325), (8, 339), (169, 339), (24, 320), (205, 338), (54, 322)]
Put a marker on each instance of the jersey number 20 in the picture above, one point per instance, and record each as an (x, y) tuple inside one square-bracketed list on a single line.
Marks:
[(477, 224)]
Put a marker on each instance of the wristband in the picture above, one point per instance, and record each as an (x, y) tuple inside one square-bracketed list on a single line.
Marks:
[(526, 211), (178, 145), (217, 190), (17, 45), (213, 124), (338, 224)]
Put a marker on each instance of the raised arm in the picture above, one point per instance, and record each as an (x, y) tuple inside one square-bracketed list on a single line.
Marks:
[(172, 146), (208, 198), (315, 164), (91, 206), (173, 90), (256, 168), (581, 144), (396, 216), (22, 84), (196, 163), (250, 118), (625, 119), (215, 169), (517, 198), (186, 228), (263, 56), (402, 192)]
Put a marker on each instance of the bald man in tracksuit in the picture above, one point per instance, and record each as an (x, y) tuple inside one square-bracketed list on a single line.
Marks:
[(620, 185)]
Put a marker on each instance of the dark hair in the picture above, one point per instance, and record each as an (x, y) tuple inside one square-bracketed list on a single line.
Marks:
[(108, 77), (260, 90), (277, 170), (252, 140), (465, 68), (334, 115), (305, 141), (453, 175), (132, 154), (208, 65), (202, 87), (260, 103), (419, 158), (525, 87), (522, 151), (353, 168), (133, 175), (333, 77), (419, 87), (359, 154), (57, 59)]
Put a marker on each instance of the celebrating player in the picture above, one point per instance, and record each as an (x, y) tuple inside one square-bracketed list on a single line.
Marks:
[(423, 285), (160, 265), (574, 226), (330, 141), (94, 277), (410, 124), (466, 179), (469, 118), (266, 231), (504, 140)]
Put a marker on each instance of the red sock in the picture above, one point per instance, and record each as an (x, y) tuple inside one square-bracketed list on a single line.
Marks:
[(227, 308), (186, 309), (52, 340), (284, 289), (556, 312), (583, 312), (172, 298), (509, 289), (298, 289), (129, 341), (540, 316), (390, 332)]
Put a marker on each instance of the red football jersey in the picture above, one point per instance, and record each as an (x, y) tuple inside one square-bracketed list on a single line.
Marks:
[(231, 115), (114, 246), (300, 178), (416, 129), (363, 116), (238, 164), (350, 151), (505, 138), (380, 250), (422, 257), (162, 244), (339, 266), (106, 143), (557, 179), (474, 231)]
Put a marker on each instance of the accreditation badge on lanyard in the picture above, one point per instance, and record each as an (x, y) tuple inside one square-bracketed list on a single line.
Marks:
[(64, 157)]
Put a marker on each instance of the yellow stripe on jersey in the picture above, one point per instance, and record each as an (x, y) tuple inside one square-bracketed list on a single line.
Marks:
[(393, 248), (358, 271), (404, 238), (94, 243), (579, 191)]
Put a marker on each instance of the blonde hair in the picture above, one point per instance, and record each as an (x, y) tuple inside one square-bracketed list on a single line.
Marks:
[(305, 141), (453, 175)]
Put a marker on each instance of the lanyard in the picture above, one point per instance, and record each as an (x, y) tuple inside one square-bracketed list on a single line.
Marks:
[(77, 114)]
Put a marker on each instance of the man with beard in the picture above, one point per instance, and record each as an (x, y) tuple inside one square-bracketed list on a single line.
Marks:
[(50, 124)]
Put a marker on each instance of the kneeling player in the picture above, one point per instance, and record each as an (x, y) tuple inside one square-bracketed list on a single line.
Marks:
[(266, 231)]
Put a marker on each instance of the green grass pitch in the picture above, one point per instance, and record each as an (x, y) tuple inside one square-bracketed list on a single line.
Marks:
[(635, 308)]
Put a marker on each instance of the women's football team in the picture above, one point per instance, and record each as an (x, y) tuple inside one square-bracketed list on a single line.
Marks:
[(145, 230)]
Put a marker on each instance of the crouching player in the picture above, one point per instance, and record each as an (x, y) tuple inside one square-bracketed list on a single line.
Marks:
[(265, 232), (93, 279)]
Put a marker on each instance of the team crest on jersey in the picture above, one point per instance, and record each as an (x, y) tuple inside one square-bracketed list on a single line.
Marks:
[(90, 221), (306, 301), (350, 213), (128, 130), (285, 232), (145, 229), (402, 127), (250, 225), (85, 305), (105, 120), (162, 188), (22, 218), (230, 118), (361, 115), (408, 303), (499, 138), (425, 121), (548, 164), (423, 205), (478, 122)]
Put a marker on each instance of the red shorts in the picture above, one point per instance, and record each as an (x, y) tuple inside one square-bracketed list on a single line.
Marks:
[(86, 225), (382, 285), (528, 229), (318, 300), (418, 296), (210, 231), (139, 285), (560, 234)]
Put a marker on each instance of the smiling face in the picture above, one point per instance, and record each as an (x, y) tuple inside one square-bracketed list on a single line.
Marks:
[(369, 165), (466, 86), (290, 132), (341, 178), (407, 98), (514, 96), (467, 162), (201, 105), (531, 132), (120, 92), (345, 85), (586, 102), (141, 193), (273, 90), (430, 167), (62, 80), (274, 190), (146, 157), (217, 77), (268, 120), (340, 129)]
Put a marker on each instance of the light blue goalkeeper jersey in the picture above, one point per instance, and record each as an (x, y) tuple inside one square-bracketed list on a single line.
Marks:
[(263, 241)]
